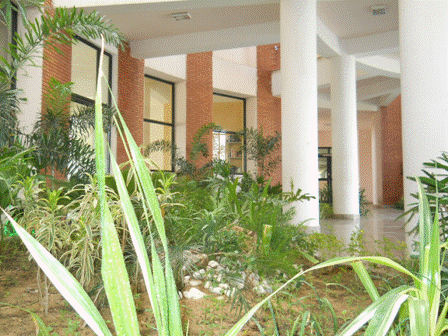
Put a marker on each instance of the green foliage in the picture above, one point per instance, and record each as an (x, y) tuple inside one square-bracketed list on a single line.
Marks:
[(262, 149), (435, 183), (62, 27), (326, 202), (59, 136)]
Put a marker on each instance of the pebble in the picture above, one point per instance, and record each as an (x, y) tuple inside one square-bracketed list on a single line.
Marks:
[(216, 290), (195, 283), (194, 294), (213, 264)]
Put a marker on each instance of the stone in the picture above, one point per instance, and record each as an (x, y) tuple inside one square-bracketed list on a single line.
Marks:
[(207, 285), (180, 295), (224, 286), (194, 294), (213, 264), (198, 276), (195, 283), (259, 290), (216, 290)]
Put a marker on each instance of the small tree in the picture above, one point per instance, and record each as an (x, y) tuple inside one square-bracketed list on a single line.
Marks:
[(262, 149)]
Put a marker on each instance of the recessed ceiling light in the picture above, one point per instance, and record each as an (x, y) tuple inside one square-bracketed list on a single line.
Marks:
[(181, 16), (378, 10)]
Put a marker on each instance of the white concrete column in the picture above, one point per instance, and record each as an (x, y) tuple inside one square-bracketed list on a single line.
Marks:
[(377, 162), (423, 28), (344, 137), (299, 104)]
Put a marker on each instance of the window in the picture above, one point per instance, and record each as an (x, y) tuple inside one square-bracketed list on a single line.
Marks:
[(158, 120), (84, 74), (85, 66), (324, 157), (229, 113)]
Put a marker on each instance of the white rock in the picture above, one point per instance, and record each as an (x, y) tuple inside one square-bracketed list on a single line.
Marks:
[(220, 297), (207, 285), (180, 295), (219, 268), (198, 276), (195, 283), (194, 294), (187, 278), (219, 278), (224, 285), (213, 263), (259, 290), (216, 290), (202, 271)]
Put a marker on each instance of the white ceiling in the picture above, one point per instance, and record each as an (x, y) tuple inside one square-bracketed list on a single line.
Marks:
[(224, 24)]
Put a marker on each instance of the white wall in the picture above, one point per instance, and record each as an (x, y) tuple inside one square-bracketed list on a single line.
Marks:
[(171, 68), (234, 79), (29, 79), (180, 117), (244, 56)]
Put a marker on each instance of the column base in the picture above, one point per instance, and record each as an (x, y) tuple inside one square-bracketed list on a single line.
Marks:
[(350, 217)]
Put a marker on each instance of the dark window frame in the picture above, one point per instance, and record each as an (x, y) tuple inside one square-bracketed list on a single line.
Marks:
[(244, 124), (163, 123), (14, 32), (328, 156)]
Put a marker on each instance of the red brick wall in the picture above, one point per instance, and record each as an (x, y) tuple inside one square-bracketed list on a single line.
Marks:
[(130, 97), (392, 152), (56, 65), (199, 99), (268, 106)]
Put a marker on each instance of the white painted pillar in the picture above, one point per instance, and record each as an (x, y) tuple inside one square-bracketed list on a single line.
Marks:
[(344, 137), (423, 28), (299, 104)]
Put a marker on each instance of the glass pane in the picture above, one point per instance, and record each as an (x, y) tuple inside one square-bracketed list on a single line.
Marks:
[(323, 168), (84, 61), (153, 132), (87, 136), (228, 113), (105, 84), (4, 39), (324, 150), (228, 147), (158, 100)]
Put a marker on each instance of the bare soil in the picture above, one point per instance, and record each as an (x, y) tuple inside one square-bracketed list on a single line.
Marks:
[(209, 316)]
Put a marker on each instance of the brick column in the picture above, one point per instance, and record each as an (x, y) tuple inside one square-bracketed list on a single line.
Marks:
[(268, 107), (55, 64), (130, 97), (392, 152), (199, 99)]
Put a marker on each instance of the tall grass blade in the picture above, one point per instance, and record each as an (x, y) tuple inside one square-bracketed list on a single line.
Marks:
[(113, 270), (366, 280), (64, 282), (164, 280), (385, 313), (137, 240), (418, 317), (430, 259), (395, 296)]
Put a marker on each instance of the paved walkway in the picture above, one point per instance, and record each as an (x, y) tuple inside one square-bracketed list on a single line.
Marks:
[(380, 223)]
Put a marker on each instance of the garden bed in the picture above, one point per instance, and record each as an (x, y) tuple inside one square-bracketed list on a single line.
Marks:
[(319, 293)]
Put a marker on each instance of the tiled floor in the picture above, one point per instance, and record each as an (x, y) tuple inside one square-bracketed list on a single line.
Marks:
[(378, 224)]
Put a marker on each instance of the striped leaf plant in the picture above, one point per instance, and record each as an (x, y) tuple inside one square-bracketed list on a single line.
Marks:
[(417, 303)]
